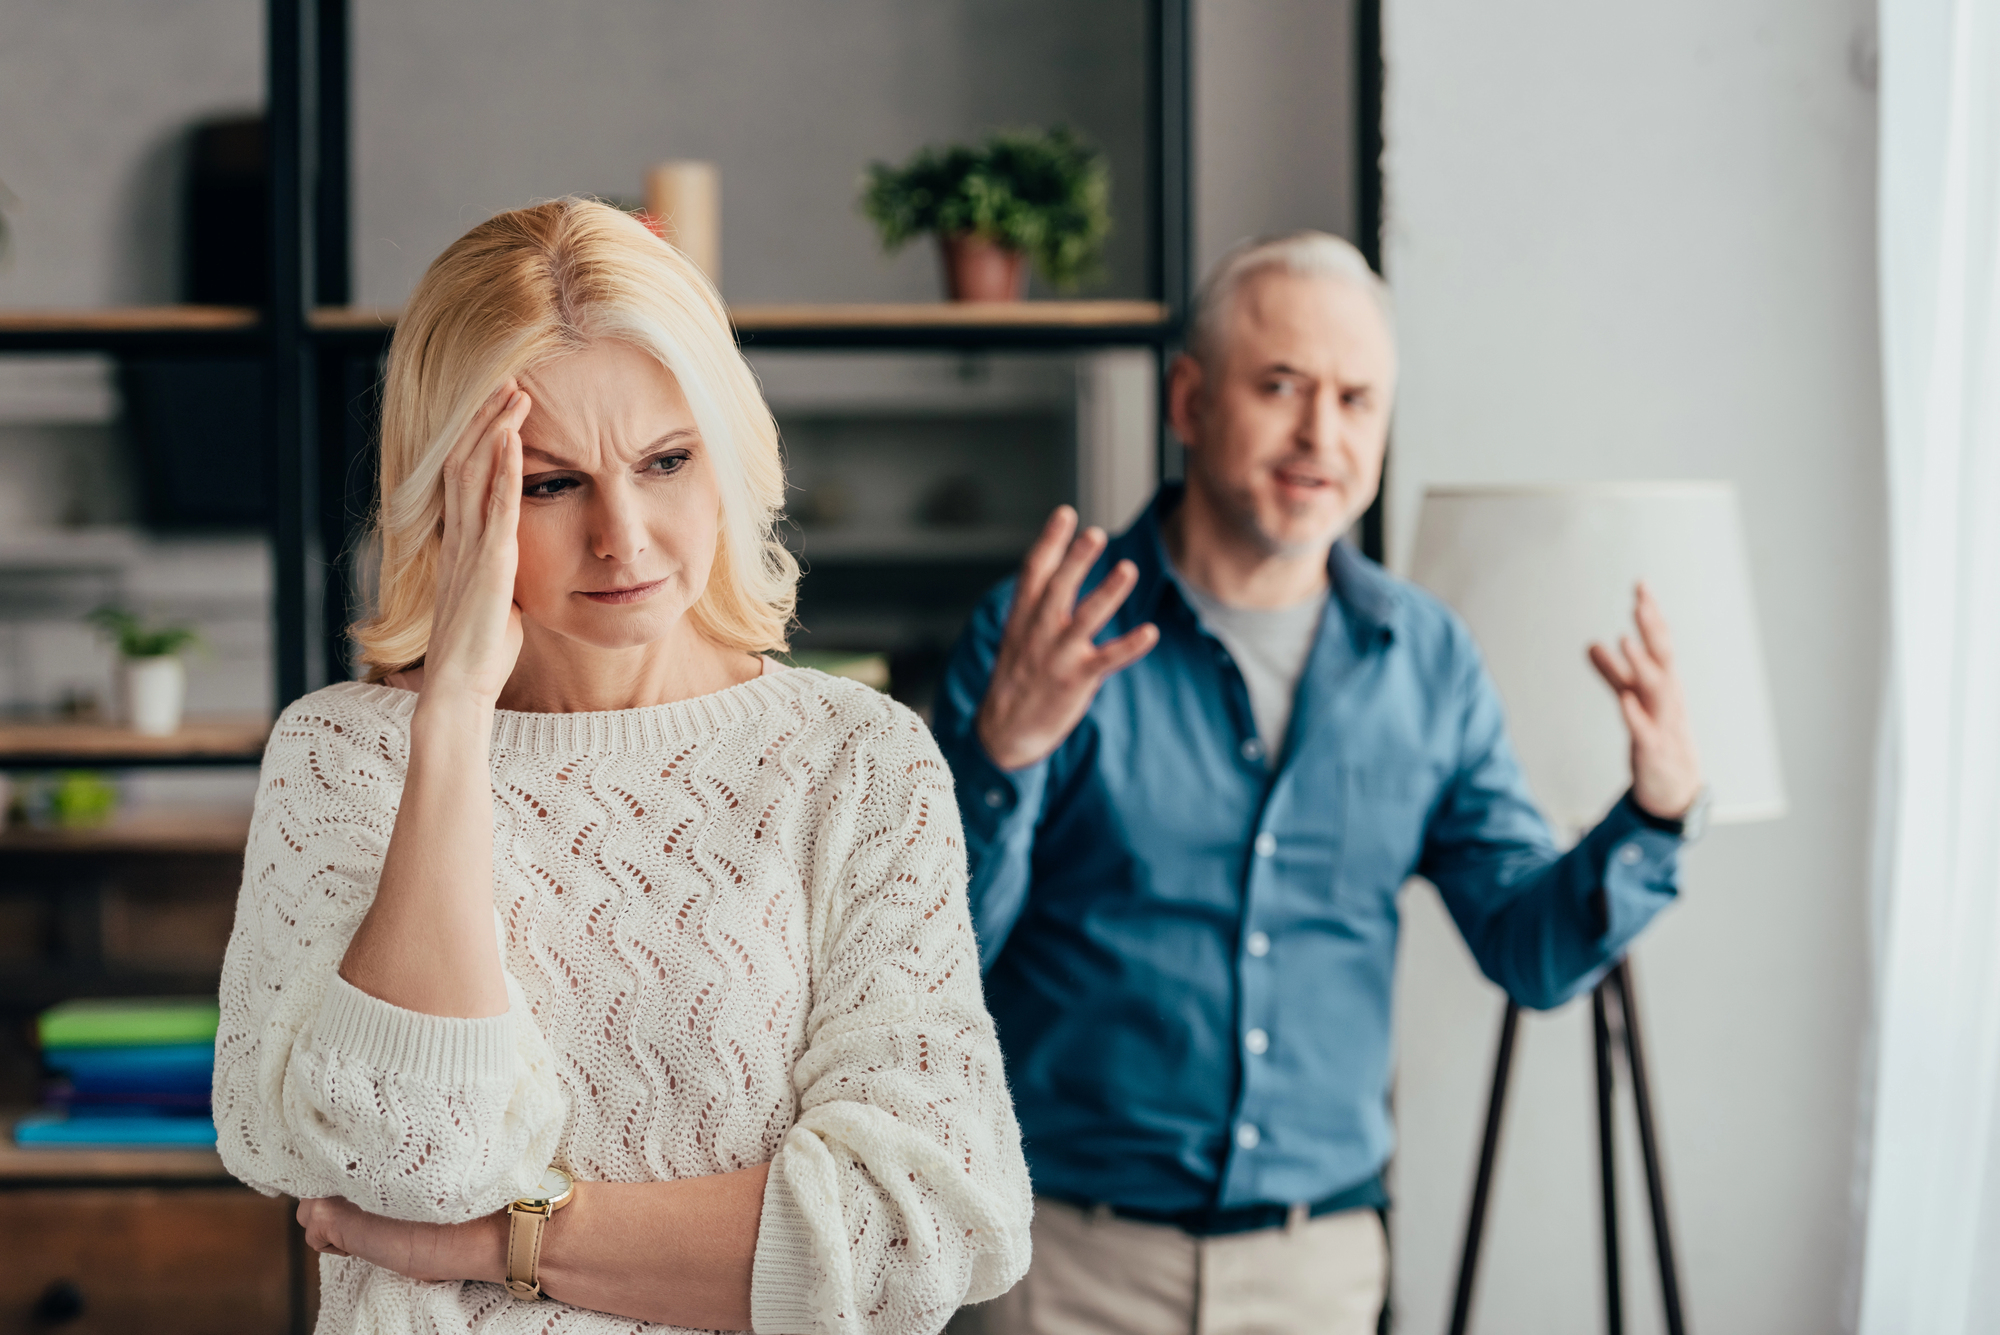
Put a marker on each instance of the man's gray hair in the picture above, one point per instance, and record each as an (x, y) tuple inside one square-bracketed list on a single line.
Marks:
[(1312, 254)]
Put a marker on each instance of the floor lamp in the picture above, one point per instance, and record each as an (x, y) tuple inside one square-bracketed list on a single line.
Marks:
[(1538, 573)]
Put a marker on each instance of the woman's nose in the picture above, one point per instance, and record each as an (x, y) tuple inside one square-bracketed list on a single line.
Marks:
[(618, 532)]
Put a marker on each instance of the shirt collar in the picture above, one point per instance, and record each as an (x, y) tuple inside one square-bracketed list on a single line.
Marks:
[(1366, 593)]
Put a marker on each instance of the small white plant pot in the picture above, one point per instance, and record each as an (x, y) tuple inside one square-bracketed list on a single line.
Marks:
[(155, 690)]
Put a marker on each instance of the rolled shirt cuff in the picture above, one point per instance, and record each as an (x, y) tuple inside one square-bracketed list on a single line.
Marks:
[(784, 1276), (1640, 872), (990, 798), (438, 1050)]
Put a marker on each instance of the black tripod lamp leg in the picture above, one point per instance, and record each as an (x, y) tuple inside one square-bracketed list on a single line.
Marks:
[(1607, 1163), (1489, 1145), (1649, 1145)]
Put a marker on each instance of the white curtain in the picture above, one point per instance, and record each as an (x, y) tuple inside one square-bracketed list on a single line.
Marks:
[(1932, 1255)]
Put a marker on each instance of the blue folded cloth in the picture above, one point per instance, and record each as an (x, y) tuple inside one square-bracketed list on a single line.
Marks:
[(169, 1069), (95, 1131)]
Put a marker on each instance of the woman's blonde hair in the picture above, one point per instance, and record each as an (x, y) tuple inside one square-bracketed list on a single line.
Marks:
[(520, 290)]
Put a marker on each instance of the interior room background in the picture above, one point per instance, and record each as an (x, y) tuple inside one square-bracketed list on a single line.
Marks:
[(1626, 242)]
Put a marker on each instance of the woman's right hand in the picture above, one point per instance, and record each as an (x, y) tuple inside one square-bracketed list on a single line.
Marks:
[(476, 628)]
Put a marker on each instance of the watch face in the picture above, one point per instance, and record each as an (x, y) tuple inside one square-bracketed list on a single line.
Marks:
[(555, 1184)]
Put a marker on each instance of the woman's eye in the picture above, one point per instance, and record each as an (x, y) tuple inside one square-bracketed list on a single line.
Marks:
[(548, 486), (667, 463)]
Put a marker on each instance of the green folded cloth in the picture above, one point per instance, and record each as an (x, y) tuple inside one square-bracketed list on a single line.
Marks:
[(127, 1022)]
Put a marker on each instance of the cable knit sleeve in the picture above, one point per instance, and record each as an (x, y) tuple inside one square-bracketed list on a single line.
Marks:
[(901, 1192), (321, 1089)]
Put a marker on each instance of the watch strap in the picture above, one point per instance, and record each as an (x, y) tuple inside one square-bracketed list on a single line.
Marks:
[(524, 1251)]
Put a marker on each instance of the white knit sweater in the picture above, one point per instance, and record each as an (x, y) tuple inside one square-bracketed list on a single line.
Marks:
[(734, 930)]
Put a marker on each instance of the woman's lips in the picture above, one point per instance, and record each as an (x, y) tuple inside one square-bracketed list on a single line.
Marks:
[(634, 593)]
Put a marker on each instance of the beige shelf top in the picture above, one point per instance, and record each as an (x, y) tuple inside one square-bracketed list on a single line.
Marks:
[(876, 315), (750, 319), (56, 1161), (198, 737), (127, 319), (146, 830), (951, 315)]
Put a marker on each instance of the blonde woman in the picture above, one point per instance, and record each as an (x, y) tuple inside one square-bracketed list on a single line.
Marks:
[(590, 969)]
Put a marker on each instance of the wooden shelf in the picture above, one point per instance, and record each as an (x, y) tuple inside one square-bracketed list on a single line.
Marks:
[(147, 830), (209, 741), (879, 324), (1090, 315), (55, 1162), (347, 319), (129, 319), (130, 328)]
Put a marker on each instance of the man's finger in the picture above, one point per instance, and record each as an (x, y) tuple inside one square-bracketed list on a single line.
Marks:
[(1637, 721), (1041, 562), (1059, 597), (1616, 675), (1102, 602), (1121, 653), (1653, 628)]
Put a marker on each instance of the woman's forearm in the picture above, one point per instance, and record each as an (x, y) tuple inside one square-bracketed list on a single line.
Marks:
[(427, 943), (674, 1252)]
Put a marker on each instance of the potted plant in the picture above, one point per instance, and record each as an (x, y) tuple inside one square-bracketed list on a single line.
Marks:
[(155, 681), (1020, 196)]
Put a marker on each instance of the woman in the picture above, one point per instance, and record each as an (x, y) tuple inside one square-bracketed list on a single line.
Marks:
[(578, 880)]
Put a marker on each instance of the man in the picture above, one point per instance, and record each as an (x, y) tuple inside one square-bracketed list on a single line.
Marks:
[(1191, 795)]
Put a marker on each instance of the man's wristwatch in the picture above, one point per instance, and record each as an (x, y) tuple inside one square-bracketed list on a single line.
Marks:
[(526, 1218)]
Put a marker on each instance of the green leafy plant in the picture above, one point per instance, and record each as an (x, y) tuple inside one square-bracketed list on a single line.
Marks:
[(1047, 194), (135, 639)]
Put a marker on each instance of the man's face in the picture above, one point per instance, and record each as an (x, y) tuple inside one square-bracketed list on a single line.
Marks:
[(1285, 429)]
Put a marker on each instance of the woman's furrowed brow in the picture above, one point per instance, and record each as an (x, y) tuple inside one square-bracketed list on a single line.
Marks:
[(678, 436), (538, 452)]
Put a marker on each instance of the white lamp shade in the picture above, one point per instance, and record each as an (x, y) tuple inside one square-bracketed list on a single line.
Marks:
[(1540, 572)]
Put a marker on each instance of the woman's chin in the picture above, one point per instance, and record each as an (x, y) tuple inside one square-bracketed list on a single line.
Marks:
[(615, 626)]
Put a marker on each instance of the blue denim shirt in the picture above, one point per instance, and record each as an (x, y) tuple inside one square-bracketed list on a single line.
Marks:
[(1152, 893)]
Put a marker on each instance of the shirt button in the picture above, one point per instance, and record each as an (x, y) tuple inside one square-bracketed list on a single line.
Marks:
[(1258, 944), (1267, 844), (1253, 749), (996, 798), (1258, 1042), (1247, 1137), (1629, 854)]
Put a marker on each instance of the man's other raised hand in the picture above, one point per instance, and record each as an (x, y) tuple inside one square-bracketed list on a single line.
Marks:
[(1666, 775), (1049, 666)]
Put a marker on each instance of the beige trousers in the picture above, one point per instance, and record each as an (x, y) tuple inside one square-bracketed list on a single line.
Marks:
[(1096, 1274)]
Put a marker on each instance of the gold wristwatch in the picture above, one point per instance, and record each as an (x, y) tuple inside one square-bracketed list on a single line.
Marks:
[(526, 1218)]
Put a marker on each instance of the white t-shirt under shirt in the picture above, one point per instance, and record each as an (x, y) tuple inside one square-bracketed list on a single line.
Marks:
[(1270, 646)]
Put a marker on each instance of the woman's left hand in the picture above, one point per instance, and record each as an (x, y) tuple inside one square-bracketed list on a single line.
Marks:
[(436, 1252)]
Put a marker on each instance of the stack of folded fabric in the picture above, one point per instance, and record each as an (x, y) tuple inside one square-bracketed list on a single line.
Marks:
[(125, 1073)]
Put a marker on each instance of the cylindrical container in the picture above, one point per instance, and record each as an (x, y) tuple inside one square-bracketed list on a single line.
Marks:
[(685, 198), (155, 690)]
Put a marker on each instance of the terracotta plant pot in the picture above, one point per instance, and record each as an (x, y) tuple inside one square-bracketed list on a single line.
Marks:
[(976, 269)]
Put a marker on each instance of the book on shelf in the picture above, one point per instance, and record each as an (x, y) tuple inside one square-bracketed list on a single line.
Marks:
[(125, 1073), (127, 1022), (115, 1131)]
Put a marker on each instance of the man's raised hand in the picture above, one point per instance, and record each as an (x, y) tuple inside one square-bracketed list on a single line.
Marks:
[(1666, 775), (1049, 668)]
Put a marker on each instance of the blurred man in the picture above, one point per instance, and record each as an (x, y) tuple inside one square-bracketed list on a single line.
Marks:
[(1196, 765)]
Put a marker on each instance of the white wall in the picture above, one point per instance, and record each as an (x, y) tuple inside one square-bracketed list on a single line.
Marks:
[(466, 107), (1636, 241), (1274, 115)]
